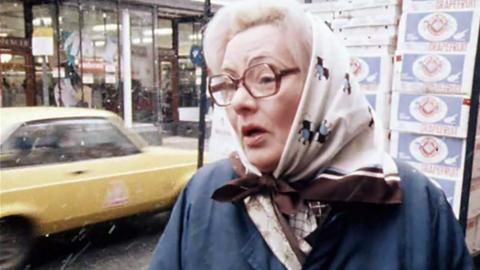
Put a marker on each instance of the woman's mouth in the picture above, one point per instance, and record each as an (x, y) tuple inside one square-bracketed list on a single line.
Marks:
[(253, 136)]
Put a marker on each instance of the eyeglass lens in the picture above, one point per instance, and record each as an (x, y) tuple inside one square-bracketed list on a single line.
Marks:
[(259, 80)]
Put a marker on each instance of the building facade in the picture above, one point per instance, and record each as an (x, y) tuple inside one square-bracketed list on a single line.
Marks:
[(81, 53)]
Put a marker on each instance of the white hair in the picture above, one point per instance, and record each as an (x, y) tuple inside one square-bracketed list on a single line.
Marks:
[(287, 15)]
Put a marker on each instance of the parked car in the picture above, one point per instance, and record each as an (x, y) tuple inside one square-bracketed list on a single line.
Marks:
[(63, 168)]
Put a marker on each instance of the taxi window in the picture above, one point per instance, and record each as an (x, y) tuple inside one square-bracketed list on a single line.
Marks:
[(64, 140)]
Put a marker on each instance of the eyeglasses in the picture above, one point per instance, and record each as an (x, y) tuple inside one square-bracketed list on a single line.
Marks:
[(260, 80)]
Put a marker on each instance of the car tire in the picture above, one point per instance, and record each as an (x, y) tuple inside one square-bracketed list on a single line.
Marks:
[(16, 243)]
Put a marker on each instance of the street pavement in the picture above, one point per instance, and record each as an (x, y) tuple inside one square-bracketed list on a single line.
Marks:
[(122, 245)]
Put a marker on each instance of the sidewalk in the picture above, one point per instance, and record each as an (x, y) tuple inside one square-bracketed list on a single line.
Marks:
[(182, 142)]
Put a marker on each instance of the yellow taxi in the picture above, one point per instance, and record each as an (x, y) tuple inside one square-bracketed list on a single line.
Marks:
[(63, 168)]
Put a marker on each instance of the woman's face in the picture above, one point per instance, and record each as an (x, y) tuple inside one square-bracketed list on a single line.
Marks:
[(262, 124)]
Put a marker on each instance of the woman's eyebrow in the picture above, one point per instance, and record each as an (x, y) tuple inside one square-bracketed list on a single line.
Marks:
[(228, 70), (267, 60), (257, 59)]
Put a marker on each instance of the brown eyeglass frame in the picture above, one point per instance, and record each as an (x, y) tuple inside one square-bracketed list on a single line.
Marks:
[(279, 74)]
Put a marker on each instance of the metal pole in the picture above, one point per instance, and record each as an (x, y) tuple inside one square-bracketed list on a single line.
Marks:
[(156, 87), (80, 9), (46, 101), (203, 93), (470, 142), (118, 85), (59, 66), (126, 68)]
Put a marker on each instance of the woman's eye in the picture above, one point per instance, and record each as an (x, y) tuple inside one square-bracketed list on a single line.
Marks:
[(267, 79)]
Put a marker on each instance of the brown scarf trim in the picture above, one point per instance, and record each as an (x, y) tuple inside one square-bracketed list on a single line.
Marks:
[(365, 185)]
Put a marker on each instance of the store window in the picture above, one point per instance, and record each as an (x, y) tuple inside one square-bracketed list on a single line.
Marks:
[(86, 65), (166, 84), (188, 92), (164, 34), (99, 64), (12, 23), (188, 35), (13, 79), (167, 69), (142, 61), (185, 38), (67, 75)]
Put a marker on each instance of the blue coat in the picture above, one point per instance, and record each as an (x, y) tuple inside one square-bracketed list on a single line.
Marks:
[(421, 233)]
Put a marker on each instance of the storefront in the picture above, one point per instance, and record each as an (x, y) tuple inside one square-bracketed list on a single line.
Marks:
[(86, 62)]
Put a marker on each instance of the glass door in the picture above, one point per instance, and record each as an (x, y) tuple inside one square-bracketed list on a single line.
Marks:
[(166, 91), (13, 79)]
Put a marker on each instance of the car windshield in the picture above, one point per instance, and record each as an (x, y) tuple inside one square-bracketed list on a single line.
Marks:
[(47, 142)]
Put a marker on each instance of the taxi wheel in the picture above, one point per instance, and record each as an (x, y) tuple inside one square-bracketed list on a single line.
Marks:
[(16, 242)]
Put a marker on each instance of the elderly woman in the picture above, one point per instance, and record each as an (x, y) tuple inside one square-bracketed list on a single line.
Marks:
[(310, 186)]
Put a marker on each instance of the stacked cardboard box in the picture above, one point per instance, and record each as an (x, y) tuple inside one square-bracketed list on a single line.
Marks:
[(431, 99)]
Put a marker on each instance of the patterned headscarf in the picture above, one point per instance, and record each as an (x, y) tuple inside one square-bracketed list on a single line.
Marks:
[(334, 132)]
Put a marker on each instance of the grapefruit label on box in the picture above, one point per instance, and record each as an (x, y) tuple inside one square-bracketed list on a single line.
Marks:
[(439, 30)]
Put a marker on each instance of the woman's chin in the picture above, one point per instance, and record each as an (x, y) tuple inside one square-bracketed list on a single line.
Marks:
[(264, 163)]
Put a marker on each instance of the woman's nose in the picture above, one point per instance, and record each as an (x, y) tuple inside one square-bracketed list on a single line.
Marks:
[(242, 101)]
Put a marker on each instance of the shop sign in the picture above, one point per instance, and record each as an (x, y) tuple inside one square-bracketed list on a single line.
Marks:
[(110, 79), (88, 78), (196, 55), (58, 71), (14, 43), (42, 41), (165, 54), (96, 67), (110, 68)]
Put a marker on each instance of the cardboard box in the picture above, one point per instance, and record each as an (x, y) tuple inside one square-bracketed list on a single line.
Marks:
[(439, 30), (372, 71), (373, 40), (387, 134), (355, 49), (440, 157), (370, 8), (360, 2), (381, 104), (412, 5), (366, 26), (442, 115), (372, 100), (439, 73), (369, 25), (317, 7), (372, 32), (365, 21), (327, 16)]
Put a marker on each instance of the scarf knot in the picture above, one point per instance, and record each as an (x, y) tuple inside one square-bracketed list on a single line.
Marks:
[(286, 198), (366, 185), (268, 183)]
